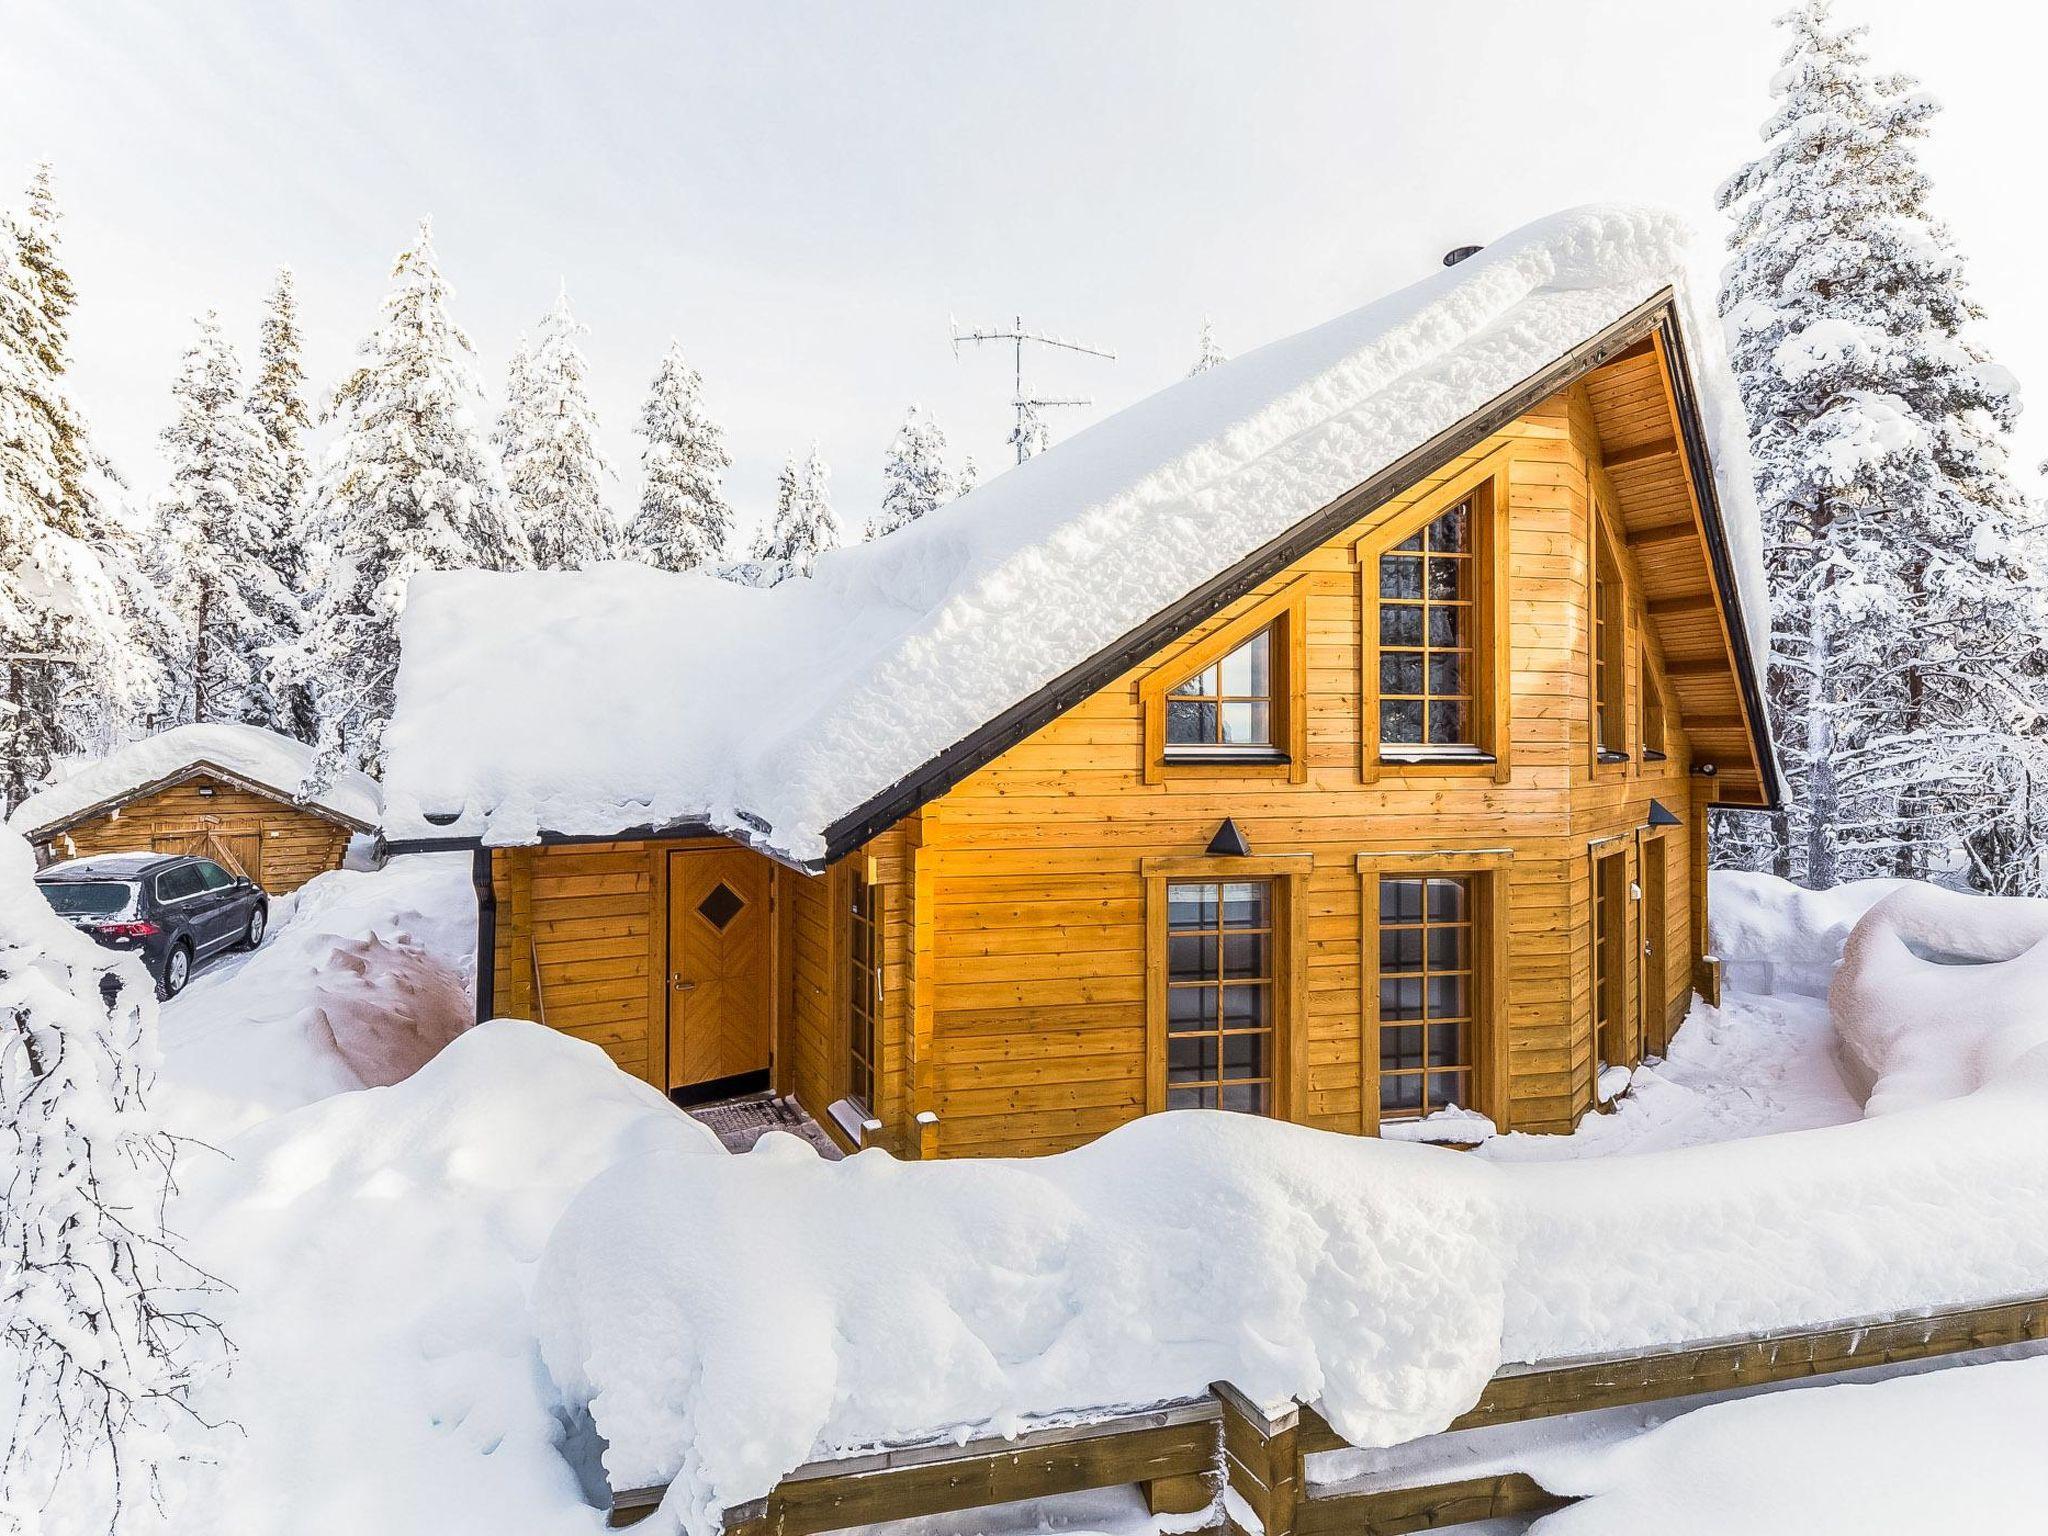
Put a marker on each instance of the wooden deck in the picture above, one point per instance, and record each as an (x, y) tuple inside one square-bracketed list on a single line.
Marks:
[(1182, 1454)]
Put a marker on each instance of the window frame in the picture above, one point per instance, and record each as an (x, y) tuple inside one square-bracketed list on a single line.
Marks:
[(1607, 647), (862, 890), (1490, 871), (1288, 873), (1654, 732), (1621, 1024), (1484, 486), (1285, 613)]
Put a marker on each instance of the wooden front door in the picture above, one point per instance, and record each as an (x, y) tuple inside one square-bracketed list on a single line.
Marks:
[(240, 853), (719, 977), (1656, 1015)]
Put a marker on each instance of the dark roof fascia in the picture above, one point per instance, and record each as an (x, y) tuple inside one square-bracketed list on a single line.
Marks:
[(1686, 395), (199, 768), (669, 832), (986, 743)]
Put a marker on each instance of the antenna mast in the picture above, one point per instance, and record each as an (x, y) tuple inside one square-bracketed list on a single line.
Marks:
[(1029, 427)]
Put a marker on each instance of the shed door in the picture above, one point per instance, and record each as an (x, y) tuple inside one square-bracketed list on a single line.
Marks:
[(718, 965), (240, 853), (1656, 1013)]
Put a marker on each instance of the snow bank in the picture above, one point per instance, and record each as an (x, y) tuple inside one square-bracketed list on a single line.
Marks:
[(682, 697), (719, 1345), (1950, 1450), (364, 977), (278, 763), (1940, 992), (380, 1245), (1774, 936)]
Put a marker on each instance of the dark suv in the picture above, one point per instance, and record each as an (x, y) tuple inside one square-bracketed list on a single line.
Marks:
[(173, 909)]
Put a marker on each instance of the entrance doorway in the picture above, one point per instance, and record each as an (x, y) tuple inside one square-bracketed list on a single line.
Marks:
[(719, 983), (1655, 987)]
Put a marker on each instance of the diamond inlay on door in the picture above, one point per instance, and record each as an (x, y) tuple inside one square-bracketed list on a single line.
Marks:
[(721, 906)]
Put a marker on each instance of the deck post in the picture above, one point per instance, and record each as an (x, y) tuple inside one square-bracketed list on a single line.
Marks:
[(1262, 1457)]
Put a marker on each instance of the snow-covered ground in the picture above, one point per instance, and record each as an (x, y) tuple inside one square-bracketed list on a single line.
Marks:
[(442, 1285)]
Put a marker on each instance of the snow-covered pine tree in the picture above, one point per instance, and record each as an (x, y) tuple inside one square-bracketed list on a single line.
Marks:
[(278, 479), (683, 521), (1903, 582), (102, 1332), (218, 538), (408, 485), (914, 477), (805, 525), (1209, 354), (970, 477), (70, 672), (554, 468)]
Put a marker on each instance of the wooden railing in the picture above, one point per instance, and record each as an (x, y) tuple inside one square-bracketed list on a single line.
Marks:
[(1180, 1454)]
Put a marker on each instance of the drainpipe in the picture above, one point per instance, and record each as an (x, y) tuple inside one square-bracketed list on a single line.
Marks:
[(486, 933)]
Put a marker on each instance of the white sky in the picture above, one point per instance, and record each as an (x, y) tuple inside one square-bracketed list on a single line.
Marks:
[(803, 193)]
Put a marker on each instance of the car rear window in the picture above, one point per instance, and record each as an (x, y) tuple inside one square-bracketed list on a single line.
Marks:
[(90, 898), (174, 883)]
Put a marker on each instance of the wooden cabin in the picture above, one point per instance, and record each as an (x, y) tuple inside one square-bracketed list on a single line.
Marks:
[(1405, 809), (234, 793)]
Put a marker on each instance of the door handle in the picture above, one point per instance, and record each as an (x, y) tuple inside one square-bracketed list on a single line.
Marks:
[(680, 984)]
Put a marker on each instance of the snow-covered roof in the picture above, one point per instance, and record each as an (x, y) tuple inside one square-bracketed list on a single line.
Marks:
[(260, 758), (594, 702)]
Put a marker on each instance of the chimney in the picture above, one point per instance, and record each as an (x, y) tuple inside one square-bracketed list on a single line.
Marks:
[(1452, 258)]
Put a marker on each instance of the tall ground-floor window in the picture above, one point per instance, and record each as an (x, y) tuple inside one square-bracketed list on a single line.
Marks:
[(1219, 995), (1428, 994), (863, 991)]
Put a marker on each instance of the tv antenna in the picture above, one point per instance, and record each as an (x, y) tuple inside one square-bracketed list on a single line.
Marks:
[(1029, 434)]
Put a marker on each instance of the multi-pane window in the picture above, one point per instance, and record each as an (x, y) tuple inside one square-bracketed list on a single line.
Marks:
[(1427, 992), (1427, 627), (1219, 995), (1609, 924), (1227, 705), (863, 992), (1653, 711), (1609, 736)]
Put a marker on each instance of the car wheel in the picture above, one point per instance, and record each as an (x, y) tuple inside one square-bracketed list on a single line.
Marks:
[(177, 969), (257, 919)]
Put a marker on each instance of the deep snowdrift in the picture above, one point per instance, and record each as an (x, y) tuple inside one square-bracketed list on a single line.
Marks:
[(380, 1244), (1774, 936), (364, 977), (680, 697), (720, 1319)]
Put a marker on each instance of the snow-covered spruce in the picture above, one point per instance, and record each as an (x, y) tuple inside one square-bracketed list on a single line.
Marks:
[(71, 589), (805, 525), (547, 435), (1208, 354), (218, 540), (914, 475), (1906, 678), (279, 477), (683, 521), (407, 486), (102, 1332)]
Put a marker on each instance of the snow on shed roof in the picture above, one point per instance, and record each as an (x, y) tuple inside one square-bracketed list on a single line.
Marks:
[(594, 702), (248, 752)]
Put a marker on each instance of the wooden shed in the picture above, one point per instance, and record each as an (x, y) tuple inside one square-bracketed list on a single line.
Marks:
[(1392, 809), (234, 793)]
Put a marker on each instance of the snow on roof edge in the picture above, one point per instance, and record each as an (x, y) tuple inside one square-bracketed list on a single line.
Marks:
[(265, 758)]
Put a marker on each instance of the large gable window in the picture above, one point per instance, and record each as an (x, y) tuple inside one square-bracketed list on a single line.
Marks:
[(1428, 636), (1433, 652), (1226, 707), (863, 991), (1610, 683)]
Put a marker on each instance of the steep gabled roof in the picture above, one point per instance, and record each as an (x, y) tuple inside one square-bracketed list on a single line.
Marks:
[(805, 717), (246, 756)]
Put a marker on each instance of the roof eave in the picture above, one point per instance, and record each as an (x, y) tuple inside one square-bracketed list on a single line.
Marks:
[(198, 768)]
